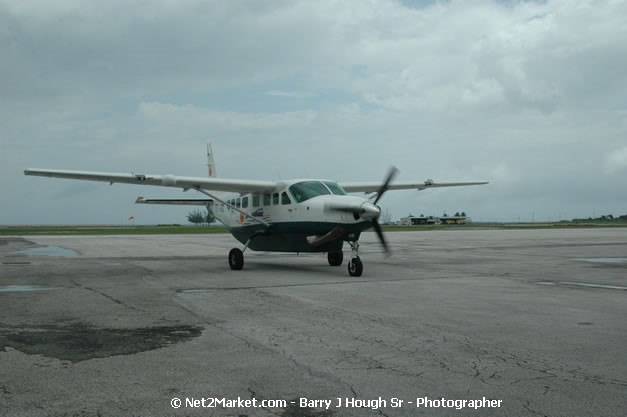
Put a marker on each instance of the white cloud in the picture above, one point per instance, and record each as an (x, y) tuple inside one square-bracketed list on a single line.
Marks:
[(291, 94), (540, 55), (194, 117)]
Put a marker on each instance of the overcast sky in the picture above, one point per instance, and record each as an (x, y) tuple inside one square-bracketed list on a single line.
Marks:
[(531, 96)]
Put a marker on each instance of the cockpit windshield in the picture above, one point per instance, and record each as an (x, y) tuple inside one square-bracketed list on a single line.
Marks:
[(335, 188), (303, 191)]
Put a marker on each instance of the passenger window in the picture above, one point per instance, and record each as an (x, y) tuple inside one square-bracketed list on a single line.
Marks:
[(244, 202), (275, 199), (238, 203), (285, 199), (255, 200), (266, 199)]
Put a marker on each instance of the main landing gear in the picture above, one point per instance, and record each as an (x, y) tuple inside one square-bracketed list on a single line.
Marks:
[(236, 259), (355, 266), (335, 258)]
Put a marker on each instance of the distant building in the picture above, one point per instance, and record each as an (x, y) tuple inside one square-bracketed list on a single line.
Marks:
[(454, 220), (414, 220), (418, 220)]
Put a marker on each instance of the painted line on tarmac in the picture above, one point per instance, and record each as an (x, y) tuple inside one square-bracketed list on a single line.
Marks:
[(583, 284)]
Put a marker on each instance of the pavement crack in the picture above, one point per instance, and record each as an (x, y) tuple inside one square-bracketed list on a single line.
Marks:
[(107, 296), (380, 411), (526, 406), (115, 300)]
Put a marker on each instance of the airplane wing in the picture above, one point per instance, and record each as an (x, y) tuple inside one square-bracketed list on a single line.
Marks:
[(203, 183), (179, 202), (372, 187)]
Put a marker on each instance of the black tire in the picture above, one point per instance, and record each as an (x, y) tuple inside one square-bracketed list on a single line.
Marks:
[(335, 258), (355, 267), (236, 259)]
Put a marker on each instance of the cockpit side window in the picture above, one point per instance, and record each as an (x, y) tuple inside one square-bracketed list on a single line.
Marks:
[(285, 199), (335, 188)]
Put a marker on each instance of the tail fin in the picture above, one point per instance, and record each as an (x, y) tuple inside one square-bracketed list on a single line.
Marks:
[(210, 162)]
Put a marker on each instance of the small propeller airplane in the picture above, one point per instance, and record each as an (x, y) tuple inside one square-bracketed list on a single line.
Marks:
[(308, 215)]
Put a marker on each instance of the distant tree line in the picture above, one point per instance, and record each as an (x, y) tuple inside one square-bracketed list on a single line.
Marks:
[(457, 214), (604, 218), (198, 217)]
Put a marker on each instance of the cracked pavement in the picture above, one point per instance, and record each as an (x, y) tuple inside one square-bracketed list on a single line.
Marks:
[(134, 321)]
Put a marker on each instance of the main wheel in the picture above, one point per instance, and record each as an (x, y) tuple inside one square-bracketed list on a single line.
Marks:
[(355, 267), (236, 259), (335, 258)]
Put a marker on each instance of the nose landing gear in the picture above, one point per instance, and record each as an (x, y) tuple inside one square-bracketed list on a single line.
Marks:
[(355, 267)]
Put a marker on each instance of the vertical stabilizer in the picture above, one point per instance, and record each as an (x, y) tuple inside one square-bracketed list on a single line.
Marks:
[(211, 164)]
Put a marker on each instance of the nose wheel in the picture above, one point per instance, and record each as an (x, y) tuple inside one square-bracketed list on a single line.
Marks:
[(355, 267)]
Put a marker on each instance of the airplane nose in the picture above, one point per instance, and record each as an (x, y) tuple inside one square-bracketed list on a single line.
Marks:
[(370, 211)]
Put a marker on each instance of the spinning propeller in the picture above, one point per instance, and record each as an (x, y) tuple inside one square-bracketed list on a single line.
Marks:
[(369, 210)]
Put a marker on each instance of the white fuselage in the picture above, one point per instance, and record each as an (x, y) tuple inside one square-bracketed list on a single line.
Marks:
[(275, 208), (283, 220)]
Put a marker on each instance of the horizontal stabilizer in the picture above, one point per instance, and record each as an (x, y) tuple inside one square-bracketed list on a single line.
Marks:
[(186, 202)]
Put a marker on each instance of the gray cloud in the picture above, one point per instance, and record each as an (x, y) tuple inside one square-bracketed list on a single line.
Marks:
[(529, 95)]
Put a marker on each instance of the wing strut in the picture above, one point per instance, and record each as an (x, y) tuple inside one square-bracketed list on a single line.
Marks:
[(232, 206)]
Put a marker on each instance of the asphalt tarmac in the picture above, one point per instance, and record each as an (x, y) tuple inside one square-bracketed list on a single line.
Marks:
[(515, 322)]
